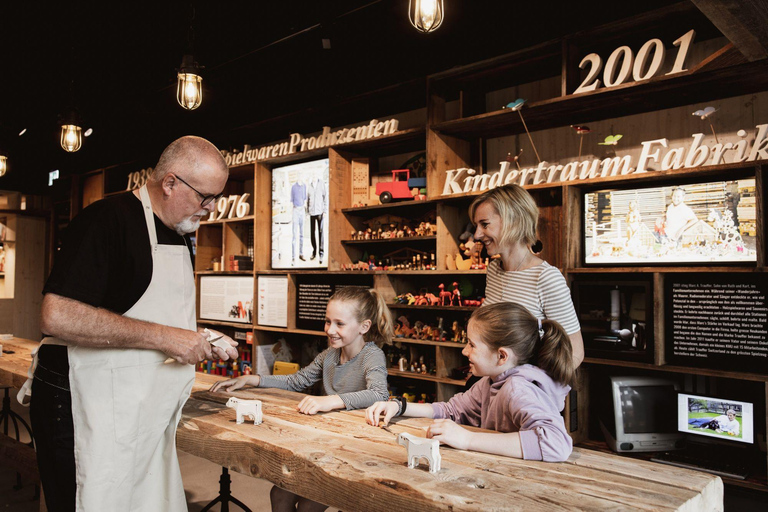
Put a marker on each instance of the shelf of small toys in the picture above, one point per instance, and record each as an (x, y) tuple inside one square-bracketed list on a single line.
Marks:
[(429, 341), (405, 259), (233, 368), (424, 333), (433, 308), (367, 241), (392, 227)]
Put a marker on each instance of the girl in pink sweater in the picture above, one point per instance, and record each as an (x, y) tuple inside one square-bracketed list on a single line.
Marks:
[(527, 368)]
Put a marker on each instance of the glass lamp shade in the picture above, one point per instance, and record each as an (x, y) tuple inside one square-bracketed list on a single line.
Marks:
[(3, 165), (426, 15), (71, 137), (189, 90)]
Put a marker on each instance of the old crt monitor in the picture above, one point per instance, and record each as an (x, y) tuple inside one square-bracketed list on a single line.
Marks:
[(642, 416), (720, 419)]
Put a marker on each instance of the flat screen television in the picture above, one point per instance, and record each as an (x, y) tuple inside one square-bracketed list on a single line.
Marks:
[(723, 419), (300, 215), (642, 416), (694, 223)]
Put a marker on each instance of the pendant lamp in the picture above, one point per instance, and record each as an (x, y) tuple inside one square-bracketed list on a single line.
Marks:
[(71, 133), (426, 15), (3, 165), (189, 88), (189, 84)]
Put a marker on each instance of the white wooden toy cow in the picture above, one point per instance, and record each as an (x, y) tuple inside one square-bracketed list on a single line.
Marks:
[(419, 447), (246, 408)]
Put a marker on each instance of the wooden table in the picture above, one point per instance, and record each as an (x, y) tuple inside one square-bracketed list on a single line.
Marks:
[(337, 459)]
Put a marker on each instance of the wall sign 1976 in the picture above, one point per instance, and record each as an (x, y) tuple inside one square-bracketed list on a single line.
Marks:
[(622, 62), (236, 205)]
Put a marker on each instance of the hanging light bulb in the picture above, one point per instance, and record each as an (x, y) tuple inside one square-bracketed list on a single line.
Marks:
[(3, 165), (189, 88), (71, 137), (426, 15)]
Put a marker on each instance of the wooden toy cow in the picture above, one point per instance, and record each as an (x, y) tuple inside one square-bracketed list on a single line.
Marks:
[(419, 447), (246, 408)]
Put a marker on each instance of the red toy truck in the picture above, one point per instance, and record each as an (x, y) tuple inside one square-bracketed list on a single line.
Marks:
[(400, 186)]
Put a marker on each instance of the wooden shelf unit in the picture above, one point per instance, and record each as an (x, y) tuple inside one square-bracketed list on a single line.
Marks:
[(463, 121), (223, 238), (401, 240)]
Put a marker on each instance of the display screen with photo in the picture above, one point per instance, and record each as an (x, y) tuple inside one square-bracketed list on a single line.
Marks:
[(694, 223), (300, 215), (731, 420)]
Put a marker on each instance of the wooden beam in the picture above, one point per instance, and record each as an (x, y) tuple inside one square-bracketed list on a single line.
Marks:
[(743, 22)]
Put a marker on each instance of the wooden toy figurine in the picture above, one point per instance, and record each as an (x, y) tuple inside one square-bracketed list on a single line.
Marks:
[(456, 296), (420, 447), (246, 408), (445, 296)]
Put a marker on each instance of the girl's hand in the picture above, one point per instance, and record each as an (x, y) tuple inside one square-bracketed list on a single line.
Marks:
[(233, 384), (388, 409), (315, 404), (449, 432)]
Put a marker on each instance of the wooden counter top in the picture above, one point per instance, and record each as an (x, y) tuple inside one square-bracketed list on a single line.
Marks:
[(337, 459)]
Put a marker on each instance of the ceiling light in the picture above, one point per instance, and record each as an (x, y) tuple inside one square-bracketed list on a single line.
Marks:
[(71, 137), (189, 88), (425, 15), (71, 131), (88, 132), (22, 132), (3, 165)]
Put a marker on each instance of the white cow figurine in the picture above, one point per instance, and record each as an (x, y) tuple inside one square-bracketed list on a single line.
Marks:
[(246, 408), (419, 447)]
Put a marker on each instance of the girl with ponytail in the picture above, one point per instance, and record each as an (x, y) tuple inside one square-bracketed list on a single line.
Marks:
[(353, 368), (527, 369)]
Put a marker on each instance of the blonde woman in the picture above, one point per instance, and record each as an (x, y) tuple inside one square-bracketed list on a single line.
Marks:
[(505, 220)]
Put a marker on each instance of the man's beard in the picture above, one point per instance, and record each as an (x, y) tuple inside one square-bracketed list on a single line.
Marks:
[(188, 225)]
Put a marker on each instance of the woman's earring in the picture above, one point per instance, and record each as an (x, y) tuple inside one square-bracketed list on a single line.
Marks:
[(537, 247)]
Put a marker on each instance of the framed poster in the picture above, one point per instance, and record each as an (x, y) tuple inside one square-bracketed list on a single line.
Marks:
[(300, 215), (695, 223), (226, 298), (717, 320), (273, 301), (313, 292)]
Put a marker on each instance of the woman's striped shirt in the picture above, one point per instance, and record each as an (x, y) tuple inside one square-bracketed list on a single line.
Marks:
[(541, 290)]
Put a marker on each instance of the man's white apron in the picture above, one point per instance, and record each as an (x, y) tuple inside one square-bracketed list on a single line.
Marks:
[(126, 403)]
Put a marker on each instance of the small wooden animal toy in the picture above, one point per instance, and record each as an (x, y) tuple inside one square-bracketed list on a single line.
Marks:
[(420, 447), (456, 296), (445, 296), (246, 408)]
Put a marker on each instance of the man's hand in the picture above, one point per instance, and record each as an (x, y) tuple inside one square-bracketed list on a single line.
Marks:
[(221, 353), (448, 432), (187, 347)]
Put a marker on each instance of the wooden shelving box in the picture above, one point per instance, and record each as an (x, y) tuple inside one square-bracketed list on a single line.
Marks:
[(463, 122)]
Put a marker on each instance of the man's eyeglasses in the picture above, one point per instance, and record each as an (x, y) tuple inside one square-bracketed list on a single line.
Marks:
[(206, 200)]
